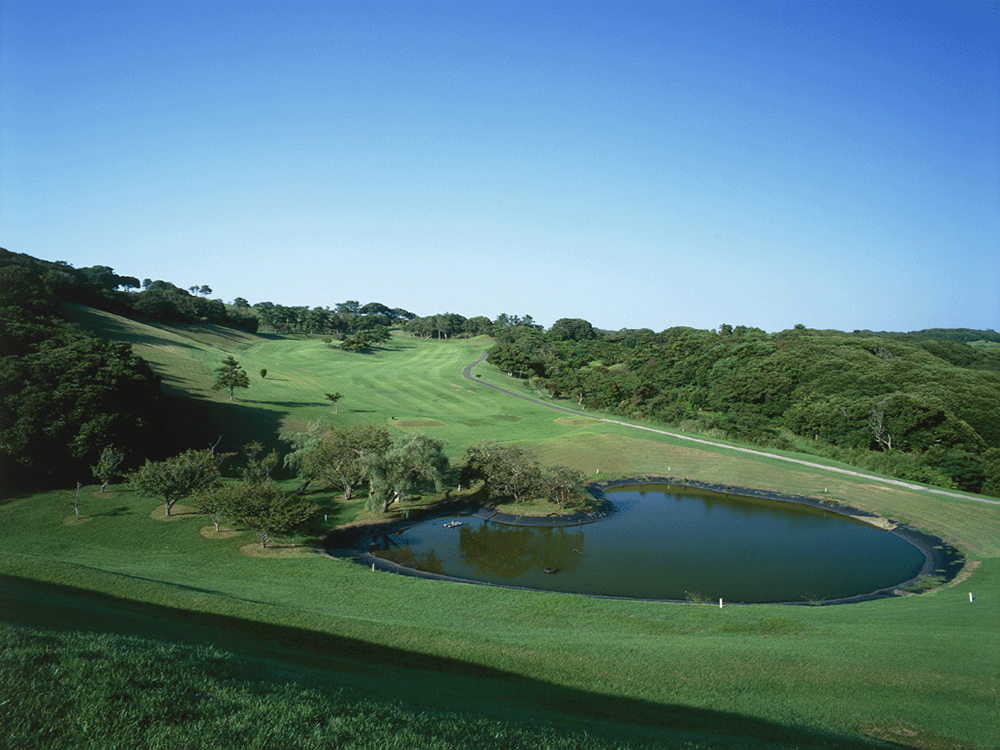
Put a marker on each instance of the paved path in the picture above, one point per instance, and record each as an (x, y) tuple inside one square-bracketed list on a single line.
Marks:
[(467, 373)]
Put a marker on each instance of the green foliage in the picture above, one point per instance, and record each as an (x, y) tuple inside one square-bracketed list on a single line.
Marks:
[(923, 584), (230, 375), (335, 454), (506, 470), (259, 466), (572, 329), (178, 477), (408, 460), (365, 339), (335, 399), (853, 395), (65, 395), (348, 317), (562, 485), (262, 505), (106, 468)]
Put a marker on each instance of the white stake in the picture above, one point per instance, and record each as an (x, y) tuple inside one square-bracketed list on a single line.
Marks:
[(373, 567), (720, 603), (970, 598)]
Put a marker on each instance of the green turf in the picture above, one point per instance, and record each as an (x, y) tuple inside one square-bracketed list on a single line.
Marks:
[(920, 671)]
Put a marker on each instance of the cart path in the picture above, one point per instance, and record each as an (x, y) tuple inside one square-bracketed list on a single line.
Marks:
[(467, 373)]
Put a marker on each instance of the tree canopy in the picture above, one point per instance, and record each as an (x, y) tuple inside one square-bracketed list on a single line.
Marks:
[(230, 375), (178, 477)]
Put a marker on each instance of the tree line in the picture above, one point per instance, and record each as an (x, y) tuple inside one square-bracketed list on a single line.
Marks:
[(343, 319), (920, 406), (390, 466), (916, 406), (100, 287)]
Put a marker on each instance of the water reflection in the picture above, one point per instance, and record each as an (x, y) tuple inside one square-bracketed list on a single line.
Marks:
[(667, 543), (511, 551)]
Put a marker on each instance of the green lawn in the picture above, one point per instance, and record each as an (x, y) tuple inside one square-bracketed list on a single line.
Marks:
[(920, 671)]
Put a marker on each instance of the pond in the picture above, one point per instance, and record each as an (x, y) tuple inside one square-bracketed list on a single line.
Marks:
[(670, 543)]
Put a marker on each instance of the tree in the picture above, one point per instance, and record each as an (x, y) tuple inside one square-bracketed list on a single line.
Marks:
[(218, 503), (562, 485), (64, 396), (263, 373), (263, 506), (230, 375), (177, 477), (506, 470), (409, 460), (335, 454), (572, 329), (335, 398), (356, 342), (258, 469), (510, 358), (379, 334), (270, 511), (106, 468)]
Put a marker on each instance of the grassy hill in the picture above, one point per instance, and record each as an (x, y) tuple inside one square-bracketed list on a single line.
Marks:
[(436, 664)]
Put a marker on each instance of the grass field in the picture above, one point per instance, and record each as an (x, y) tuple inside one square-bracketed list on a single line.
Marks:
[(918, 671)]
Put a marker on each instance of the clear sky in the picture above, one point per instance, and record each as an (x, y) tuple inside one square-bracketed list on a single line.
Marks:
[(834, 163)]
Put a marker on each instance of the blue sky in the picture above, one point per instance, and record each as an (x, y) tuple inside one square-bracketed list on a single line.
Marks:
[(636, 164)]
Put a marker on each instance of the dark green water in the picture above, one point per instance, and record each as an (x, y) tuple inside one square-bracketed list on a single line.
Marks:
[(667, 542)]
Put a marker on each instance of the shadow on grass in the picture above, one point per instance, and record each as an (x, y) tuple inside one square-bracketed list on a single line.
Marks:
[(386, 673), (123, 510)]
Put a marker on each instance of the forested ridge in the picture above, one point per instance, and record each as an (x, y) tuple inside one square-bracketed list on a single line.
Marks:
[(922, 406), (65, 395), (916, 406)]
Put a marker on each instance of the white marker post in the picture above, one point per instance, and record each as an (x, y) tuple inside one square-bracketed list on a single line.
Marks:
[(970, 598), (720, 602)]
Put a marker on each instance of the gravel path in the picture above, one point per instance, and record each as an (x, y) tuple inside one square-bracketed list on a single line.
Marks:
[(467, 373)]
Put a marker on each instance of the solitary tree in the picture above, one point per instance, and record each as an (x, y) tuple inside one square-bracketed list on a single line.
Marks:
[(335, 398), (230, 375), (106, 468), (177, 477), (357, 342)]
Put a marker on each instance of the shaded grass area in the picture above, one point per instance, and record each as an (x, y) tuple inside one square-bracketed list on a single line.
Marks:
[(156, 695), (274, 685)]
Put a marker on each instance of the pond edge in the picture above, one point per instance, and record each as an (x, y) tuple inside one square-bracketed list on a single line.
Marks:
[(354, 542)]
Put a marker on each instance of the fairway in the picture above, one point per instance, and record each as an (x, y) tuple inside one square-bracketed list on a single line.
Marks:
[(919, 671)]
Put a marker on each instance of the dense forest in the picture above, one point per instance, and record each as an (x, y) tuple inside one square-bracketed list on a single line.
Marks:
[(922, 406)]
